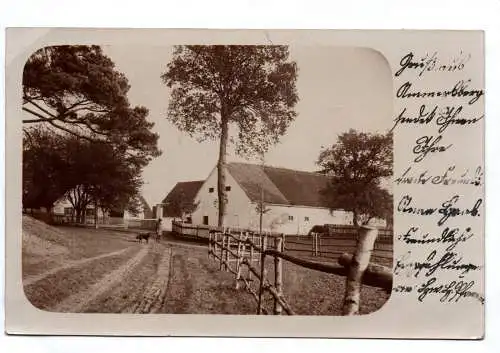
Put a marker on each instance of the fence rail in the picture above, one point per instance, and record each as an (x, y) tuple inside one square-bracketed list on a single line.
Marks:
[(202, 231), (104, 222), (330, 247), (238, 250), (190, 230)]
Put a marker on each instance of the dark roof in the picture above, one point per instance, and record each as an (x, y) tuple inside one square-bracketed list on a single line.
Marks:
[(280, 185), (186, 191), (253, 179)]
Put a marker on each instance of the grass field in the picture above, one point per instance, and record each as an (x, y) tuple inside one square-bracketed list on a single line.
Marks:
[(86, 270)]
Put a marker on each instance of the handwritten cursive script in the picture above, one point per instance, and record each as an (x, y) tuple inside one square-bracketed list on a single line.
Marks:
[(447, 209), (430, 63), (443, 117), (459, 90), (445, 178), (441, 206), (451, 236), (428, 144), (451, 291)]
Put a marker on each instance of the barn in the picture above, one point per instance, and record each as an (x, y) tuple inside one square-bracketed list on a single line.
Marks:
[(171, 207), (292, 199)]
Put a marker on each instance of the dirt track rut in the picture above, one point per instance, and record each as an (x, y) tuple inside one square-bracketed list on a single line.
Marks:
[(79, 301), (153, 298), (32, 279)]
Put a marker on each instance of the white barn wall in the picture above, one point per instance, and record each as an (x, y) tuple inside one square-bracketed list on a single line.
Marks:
[(277, 218), (238, 209), (166, 223), (241, 212)]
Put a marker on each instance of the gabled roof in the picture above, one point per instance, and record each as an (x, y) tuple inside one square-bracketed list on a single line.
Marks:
[(279, 185), (186, 191), (255, 182)]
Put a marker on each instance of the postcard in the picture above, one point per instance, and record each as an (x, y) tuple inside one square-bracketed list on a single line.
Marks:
[(269, 183)]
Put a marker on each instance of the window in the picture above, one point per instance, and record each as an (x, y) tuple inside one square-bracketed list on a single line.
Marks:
[(189, 220), (210, 190), (68, 211), (306, 219), (228, 188), (290, 218), (205, 220)]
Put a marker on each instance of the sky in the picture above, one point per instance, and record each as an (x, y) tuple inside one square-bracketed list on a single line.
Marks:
[(338, 87)]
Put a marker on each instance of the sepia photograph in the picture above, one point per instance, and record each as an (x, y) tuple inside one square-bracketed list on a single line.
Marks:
[(207, 179), (222, 176)]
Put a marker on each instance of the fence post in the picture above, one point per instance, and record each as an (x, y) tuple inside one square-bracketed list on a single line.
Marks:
[(360, 260), (221, 251), (209, 244), (278, 274), (251, 248), (228, 248), (214, 245), (238, 262), (261, 284), (261, 246), (313, 243), (249, 273)]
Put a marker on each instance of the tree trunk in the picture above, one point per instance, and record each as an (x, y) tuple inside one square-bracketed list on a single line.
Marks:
[(355, 218), (96, 216), (81, 213), (260, 222), (221, 169), (359, 264), (49, 209)]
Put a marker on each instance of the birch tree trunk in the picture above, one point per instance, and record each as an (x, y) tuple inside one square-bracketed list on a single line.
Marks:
[(360, 260)]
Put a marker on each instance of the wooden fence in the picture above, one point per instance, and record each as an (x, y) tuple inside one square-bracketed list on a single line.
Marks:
[(190, 230), (106, 222), (238, 250), (201, 232), (330, 247)]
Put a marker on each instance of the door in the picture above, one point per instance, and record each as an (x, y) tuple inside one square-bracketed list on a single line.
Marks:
[(205, 220)]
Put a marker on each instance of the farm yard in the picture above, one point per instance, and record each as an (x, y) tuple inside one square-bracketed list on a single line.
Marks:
[(77, 269), (238, 221)]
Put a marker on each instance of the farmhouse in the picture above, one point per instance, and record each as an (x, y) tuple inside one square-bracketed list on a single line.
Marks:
[(292, 199), (63, 207), (174, 204)]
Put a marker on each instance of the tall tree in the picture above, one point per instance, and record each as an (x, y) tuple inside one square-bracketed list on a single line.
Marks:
[(249, 88), (44, 169), (76, 89), (75, 94), (357, 164), (101, 175)]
